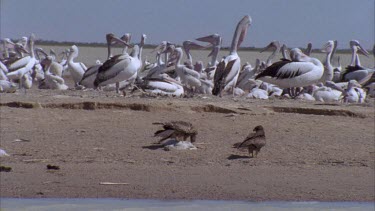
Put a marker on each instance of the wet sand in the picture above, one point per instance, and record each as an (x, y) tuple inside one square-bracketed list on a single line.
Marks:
[(314, 151)]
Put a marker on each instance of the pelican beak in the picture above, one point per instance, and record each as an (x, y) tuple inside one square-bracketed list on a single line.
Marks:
[(214, 39), (118, 40), (363, 51), (244, 25), (192, 45), (266, 48), (161, 47)]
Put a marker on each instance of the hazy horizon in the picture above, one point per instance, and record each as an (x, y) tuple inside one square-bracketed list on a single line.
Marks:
[(292, 22)]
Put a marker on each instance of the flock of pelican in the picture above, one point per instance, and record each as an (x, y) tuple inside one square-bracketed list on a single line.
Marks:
[(297, 75)]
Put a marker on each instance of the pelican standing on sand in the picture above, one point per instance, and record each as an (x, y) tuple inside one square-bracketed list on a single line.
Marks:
[(77, 69), (302, 71), (227, 71), (119, 68)]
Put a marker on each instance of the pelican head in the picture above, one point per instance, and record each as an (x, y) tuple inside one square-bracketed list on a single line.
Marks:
[(355, 45), (126, 37), (161, 47), (112, 39), (143, 39), (192, 45), (274, 45), (214, 39), (328, 47), (21, 48), (243, 26), (297, 55)]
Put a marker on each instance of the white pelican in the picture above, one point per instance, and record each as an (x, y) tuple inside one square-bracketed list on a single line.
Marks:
[(215, 40), (275, 45), (17, 74), (77, 69), (227, 70), (89, 76), (257, 93), (162, 86), (285, 52), (3, 71), (354, 93), (303, 71), (53, 81), (355, 71), (55, 67), (119, 68), (326, 94), (126, 38), (188, 45), (247, 73), (7, 86), (328, 68), (189, 77)]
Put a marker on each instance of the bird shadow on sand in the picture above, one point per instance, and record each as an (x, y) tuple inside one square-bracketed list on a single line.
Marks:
[(153, 147), (235, 157)]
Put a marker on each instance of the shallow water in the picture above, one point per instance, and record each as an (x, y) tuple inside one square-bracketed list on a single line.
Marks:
[(165, 205)]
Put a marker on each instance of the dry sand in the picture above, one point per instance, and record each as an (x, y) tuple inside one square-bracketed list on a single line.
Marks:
[(314, 151)]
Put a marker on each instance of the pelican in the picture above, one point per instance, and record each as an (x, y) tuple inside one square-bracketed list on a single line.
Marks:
[(55, 68), (258, 93), (302, 71), (275, 45), (354, 93), (189, 77), (162, 86), (326, 93), (355, 71), (215, 40), (188, 45), (328, 68), (285, 52), (227, 71), (119, 68), (89, 76), (18, 74), (7, 86), (247, 73), (77, 69), (53, 81), (126, 38)]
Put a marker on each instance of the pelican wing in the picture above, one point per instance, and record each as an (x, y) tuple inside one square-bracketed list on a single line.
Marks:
[(221, 73), (93, 70), (83, 66), (111, 68), (286, 69)]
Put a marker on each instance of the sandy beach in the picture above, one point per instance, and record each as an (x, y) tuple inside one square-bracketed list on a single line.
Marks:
[(314, 151)]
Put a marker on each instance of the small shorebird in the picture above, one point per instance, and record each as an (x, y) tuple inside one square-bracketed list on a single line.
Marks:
[(254, 141), (180, 130)]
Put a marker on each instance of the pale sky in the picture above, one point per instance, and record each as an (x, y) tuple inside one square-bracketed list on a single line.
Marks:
[(293, 22)]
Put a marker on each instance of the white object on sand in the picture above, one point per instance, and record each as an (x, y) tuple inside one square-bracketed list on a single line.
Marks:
[(179, 145), (3, 153)]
